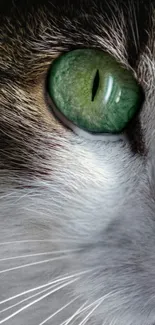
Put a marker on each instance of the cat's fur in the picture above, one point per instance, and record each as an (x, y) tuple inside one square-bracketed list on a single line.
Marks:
[(72, 208)]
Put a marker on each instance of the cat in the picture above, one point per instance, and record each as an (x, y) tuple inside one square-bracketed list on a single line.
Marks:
[(77, 214)]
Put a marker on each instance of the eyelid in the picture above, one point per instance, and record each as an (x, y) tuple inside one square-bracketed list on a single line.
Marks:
[(106, 137)]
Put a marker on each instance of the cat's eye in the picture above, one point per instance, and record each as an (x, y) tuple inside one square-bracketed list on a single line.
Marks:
[(93, 91)]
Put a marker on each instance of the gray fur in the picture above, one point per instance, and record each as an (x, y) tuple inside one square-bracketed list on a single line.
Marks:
[(85, 206)]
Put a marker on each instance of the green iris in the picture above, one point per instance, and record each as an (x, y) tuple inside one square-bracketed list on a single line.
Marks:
[(92, 90)]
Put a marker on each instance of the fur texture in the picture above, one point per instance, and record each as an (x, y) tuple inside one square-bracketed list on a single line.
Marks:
[(77, 217)]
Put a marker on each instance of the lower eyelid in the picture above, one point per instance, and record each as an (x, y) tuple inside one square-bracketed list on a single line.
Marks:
[(87, 135)]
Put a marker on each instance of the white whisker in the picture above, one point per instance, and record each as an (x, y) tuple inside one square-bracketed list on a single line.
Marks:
[(7, 195), (91, 312), (27, 194), (37, 300), (92, 304), (68, 320), (58, 311), (57, 280), (32, 264), (39, 241), (39, 254), (28, 298), (79, 311)]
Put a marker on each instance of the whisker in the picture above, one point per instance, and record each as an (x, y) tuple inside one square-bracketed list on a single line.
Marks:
[(37, 300), (89, 306), (27, 194), (29, 291), (57, 280), (39, 254), (28, 298), (39, 241), (100, 300), (79, 311), (68, 320), (7, 195), (58, 311), (32, 264), (84, 321)]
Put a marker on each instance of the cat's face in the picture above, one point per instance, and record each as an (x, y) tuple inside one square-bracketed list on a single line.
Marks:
[(77, 217)]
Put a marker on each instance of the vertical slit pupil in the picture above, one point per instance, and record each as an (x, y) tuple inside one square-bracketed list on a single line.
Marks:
[(95, 85)]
